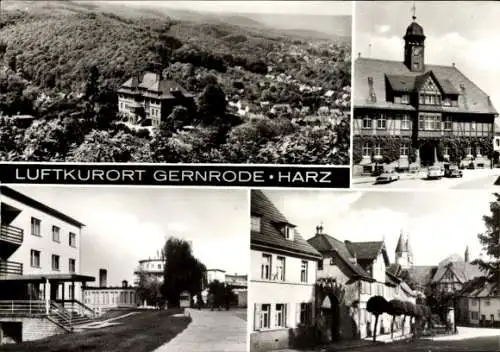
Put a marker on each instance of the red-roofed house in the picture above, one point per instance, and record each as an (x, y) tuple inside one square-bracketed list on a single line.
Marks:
[(282, 277), (148, 99), (409, 110)]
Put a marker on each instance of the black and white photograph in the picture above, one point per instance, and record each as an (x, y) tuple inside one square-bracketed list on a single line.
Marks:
[(426, 98), (123, 269), (374, 271), (265, 82)]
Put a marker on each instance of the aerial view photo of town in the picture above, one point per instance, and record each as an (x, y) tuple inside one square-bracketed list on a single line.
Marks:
[(175, 81)]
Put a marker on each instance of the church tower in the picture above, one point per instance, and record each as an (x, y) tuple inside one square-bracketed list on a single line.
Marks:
[(414, 45), (466, 256), (404, 255)]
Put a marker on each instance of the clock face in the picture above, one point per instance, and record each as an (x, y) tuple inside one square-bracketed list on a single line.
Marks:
[(417, 50)]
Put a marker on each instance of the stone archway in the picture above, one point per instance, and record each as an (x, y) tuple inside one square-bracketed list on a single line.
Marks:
[(428, 154), (331, 311)]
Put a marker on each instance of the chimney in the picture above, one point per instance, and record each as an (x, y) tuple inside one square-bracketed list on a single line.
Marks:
[(372, 97), (359, 55), (453, 64), (124, 283), (103, 278)]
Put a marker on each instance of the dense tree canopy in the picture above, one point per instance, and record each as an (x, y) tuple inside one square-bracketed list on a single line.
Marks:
[(183, 272)]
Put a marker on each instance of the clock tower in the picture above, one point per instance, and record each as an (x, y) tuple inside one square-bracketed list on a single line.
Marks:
[(414, 46)]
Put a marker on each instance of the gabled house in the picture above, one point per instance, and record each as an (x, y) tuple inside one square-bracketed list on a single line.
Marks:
[(421, 108), (481, 305), (282, 277), (148, 99), (361, 268)]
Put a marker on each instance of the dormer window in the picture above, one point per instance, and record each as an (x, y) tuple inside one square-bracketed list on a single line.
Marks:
[(287, 231), (405, 99), (255, 225)]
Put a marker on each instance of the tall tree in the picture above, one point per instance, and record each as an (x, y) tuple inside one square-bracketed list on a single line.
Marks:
[(490, 242), (183, 272), (91, 87)]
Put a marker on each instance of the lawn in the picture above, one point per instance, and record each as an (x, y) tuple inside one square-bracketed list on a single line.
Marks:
[(141, 332)]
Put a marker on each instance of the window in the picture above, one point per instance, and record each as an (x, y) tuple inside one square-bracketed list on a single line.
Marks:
[(487, 302), (447, 123), (492, 317), (429, 122), (35, 258), (473, 302), (280, 316), (483, 317), (478, 150), (72, 239), (55, 262), (367, 122), (35, 227), (264, 316), (474, 315), (56, 234), (255, 223), (303, 271), (378, 149), (287, 231), (305, 313), (403, 150), (366, 149), (497, 142), (72, 265), (320, 264), (280, 269), (405, 122), (265, 269), (332, 261), (381, 122), (159, 266), (405, 99)]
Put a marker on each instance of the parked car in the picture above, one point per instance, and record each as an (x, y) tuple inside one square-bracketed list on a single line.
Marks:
[(435, 172), (453, 171), (387, 176)]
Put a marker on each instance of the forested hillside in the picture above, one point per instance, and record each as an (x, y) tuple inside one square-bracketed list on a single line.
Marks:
[(63, 62)]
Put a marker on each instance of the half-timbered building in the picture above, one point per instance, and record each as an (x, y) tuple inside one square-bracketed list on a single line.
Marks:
[(410, 112)]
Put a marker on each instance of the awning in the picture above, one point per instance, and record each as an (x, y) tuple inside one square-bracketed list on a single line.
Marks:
[(32, 278)]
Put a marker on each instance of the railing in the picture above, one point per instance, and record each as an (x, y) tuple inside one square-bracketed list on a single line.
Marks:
[(11, 234), (61, 315), (10, 268), (22, 308), (78, 307)]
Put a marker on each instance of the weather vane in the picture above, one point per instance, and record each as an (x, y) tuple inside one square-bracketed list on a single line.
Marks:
[(413, 11)]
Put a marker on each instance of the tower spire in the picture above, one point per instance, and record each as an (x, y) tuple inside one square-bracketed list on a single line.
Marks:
[(413, 12)]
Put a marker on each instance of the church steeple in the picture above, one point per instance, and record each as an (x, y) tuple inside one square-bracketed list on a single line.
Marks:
[(404, 256), (414, 45)]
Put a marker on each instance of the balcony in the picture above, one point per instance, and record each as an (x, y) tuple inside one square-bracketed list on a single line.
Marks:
[(11, 234), (10, 268)]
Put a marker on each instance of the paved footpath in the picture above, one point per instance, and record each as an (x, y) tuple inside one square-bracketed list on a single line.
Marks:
[(210, 331)]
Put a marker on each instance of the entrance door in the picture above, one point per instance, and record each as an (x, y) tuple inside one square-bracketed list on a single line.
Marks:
[(427, 154)]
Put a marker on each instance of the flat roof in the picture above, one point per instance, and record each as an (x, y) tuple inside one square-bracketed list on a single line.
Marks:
[(54, 277), (9, 192)]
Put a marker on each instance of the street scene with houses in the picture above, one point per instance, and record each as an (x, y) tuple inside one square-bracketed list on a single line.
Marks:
[(70, 286), (425, 101), (171, 81), (376, 271)]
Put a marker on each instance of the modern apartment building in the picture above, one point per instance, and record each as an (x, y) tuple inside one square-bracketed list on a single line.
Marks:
[(40, 268), (282, 277)]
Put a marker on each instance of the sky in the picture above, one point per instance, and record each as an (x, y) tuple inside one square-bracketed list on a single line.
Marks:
[(124, 225), (465, 32), (284, 7), (439, 224)]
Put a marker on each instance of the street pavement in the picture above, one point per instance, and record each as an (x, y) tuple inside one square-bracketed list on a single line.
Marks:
[(472, 179), (211, 331), (467, 339)]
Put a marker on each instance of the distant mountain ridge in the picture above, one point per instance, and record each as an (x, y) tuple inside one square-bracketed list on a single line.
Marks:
[(335, 28)]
